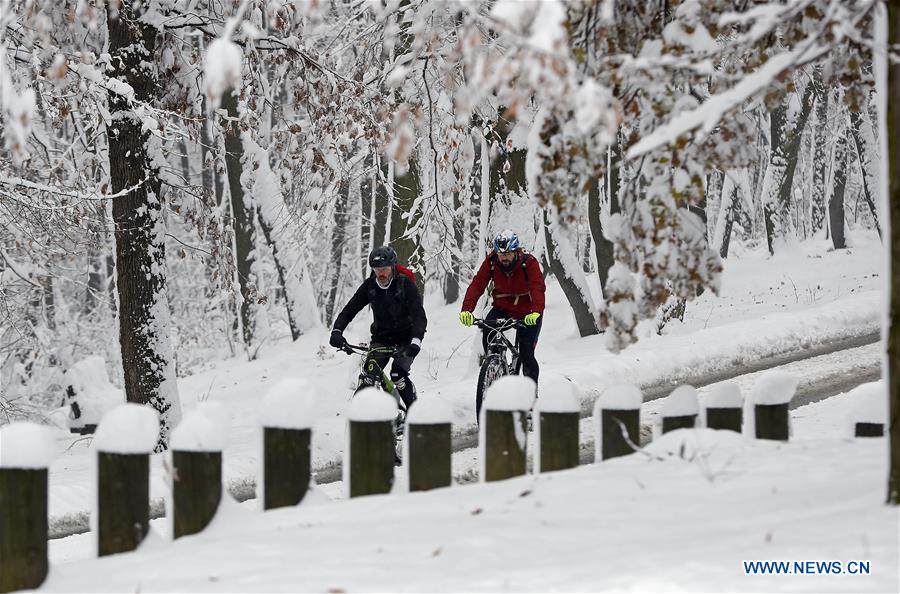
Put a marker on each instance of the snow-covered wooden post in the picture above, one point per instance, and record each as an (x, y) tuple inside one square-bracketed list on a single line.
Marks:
[(369, 455), (557, 428), (428, 444), (197, 445), (680, 409), (287, 419), (617, 422), (871, 413), (504, 427), (26, 450), (771, 397), (724, 407), (124, 441)]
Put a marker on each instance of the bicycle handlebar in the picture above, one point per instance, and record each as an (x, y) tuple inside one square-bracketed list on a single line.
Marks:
[(500, 324), (364, 348)]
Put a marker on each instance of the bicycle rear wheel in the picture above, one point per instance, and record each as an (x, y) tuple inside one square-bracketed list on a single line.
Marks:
[(493, 368)]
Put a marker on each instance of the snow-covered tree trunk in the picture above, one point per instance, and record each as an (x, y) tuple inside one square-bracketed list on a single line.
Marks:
[(366, 204), (404, 218), (564, 266), (290, 264), (338, 237), (865, 164), (139, 227), (451, 283), (820, 161), (603, 248), (892, 102), (243, 222)]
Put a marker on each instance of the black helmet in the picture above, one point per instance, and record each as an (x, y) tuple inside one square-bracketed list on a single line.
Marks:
[(382, 256)]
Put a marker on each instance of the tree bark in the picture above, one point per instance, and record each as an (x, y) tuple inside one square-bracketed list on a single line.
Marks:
[(139, 227), (366, 220), (242, 219), (893, 196), (836, 200)]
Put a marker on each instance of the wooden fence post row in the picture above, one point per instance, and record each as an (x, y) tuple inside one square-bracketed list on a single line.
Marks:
[(287, 417), (124, 441), (503, 431), (680, 409), (556, 431), (26, 450), (427, 446), (771, 397), (196, 447), (617, 422), (369, 456), (724, 407)]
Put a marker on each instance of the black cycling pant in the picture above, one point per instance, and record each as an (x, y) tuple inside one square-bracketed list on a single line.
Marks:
[(526, 341)]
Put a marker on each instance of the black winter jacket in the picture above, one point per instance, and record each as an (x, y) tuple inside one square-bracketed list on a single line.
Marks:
[(398, 312)]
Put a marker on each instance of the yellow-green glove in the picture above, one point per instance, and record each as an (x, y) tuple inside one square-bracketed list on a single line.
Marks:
[(531, 319), (466, 318)]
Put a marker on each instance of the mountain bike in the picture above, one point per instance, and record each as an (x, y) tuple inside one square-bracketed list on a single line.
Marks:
[(502, 357), (372, 376)]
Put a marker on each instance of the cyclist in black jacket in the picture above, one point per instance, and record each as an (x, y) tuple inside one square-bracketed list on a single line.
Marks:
[(399, 318)]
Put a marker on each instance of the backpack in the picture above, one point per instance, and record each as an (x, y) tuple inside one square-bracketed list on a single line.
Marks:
[(400, 291), (493, 258), (406, 272)]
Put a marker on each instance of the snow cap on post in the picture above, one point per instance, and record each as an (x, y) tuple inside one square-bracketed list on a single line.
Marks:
[(202, 430), (289, 404), (221, 69), (871, 403), (430, 411), (725, 395), (619, 397), (128, 429), (774, 387), (372, 404), (561, 397), (26, 445), (510, 392), (682, 402)]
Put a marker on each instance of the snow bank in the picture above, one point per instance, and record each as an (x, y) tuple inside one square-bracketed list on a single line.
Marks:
[(511, 392), (202, 430), (128, 429), (619, 397), (724, 395), (26, 445), (289, 404), (774, 387), (695, 443), (94, 393), (561, 397), (682, 402), (372, 404), (429, 411), (871, 403)]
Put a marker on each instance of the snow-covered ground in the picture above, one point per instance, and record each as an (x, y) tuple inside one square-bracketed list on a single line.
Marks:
[(767, 306)]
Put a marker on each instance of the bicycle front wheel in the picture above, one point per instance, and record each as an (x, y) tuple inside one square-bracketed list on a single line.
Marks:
[(493, 368)]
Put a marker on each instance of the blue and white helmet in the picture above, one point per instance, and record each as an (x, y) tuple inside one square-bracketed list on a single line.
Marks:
[(506, 241)]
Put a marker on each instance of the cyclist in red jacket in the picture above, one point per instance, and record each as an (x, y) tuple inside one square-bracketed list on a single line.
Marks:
[(518, 293)]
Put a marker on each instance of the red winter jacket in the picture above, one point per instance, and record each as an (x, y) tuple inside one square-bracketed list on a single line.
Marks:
[(519, 292)]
